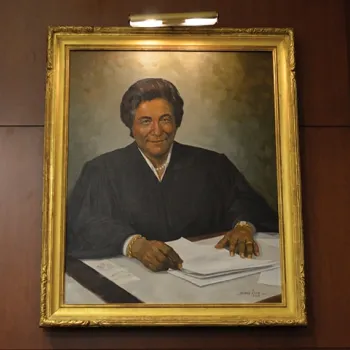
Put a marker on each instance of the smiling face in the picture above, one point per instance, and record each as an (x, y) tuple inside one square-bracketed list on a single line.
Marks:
[(154, 127)]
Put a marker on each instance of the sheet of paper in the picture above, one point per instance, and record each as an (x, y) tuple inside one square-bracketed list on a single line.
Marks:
[(112, 271), (207, 260), (202, 282), (272, 242), (224, 273), (271, 277), (267, 234)]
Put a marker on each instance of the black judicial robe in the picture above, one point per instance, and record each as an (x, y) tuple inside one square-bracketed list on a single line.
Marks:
[(117, 195)]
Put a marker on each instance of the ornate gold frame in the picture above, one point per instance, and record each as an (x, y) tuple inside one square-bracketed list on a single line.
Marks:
[(278, 41)]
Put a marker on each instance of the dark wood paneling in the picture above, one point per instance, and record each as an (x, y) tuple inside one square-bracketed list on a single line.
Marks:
[(319, 28), (323, 67), (326, 202), (20, 236), (347, 18)]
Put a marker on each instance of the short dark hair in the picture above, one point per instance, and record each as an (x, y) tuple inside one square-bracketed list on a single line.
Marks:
[(146, 90)]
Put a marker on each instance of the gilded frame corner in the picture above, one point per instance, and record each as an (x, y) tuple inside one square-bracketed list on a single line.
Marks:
[(280, 41)]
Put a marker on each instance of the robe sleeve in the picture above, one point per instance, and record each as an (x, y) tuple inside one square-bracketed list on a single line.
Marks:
[(95, 228), (245, 204)]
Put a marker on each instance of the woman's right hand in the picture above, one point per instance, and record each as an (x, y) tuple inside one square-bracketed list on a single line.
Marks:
[(156, 255)]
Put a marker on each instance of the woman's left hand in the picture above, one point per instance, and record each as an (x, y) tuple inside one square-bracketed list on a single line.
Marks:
[(240, 239)]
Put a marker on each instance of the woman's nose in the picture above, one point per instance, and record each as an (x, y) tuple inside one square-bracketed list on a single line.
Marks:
[(156, 128)]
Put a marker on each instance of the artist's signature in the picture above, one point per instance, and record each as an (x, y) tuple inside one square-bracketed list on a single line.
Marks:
[(253, 293)]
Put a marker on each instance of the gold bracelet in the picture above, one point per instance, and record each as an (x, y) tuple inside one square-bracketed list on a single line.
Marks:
[(132, 241)]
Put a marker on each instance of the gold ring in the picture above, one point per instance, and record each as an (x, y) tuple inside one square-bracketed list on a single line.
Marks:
[(249, 242)]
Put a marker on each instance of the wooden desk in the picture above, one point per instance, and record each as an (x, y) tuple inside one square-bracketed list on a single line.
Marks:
[(98, 284), (109, 291)]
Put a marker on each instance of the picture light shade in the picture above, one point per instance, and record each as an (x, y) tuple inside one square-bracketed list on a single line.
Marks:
[(173, 19)]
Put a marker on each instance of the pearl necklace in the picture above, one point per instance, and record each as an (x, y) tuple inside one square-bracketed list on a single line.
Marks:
[(161, 167)]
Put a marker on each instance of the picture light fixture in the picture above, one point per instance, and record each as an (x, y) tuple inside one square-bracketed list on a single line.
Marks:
[(174, 19)]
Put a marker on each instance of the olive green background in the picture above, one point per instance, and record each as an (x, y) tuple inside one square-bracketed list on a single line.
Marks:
[(228, 96)]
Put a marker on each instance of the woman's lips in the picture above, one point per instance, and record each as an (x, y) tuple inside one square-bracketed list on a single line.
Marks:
[(156, 141)]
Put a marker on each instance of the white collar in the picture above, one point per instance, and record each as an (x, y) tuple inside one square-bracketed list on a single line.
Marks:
[(152, 166)]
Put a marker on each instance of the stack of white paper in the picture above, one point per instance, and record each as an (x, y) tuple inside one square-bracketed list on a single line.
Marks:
[(205, 265)]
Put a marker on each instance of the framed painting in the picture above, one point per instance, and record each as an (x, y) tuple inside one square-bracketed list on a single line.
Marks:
[(171, 178)]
